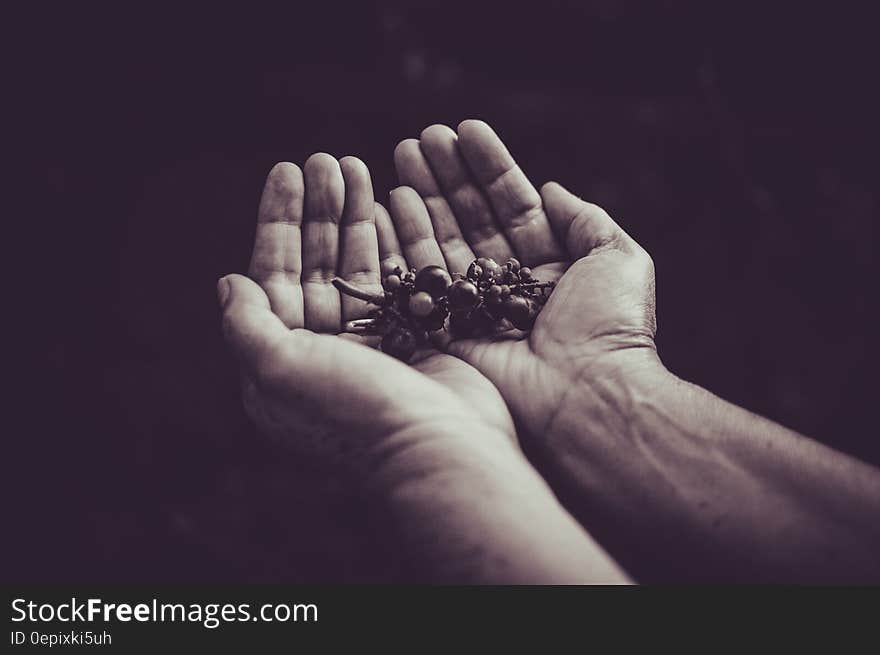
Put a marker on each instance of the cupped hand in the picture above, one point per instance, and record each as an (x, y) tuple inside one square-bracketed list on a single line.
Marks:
[(324, 393), (466, 198)]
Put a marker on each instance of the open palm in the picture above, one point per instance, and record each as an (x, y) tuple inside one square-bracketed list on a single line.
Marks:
[(465, 198)]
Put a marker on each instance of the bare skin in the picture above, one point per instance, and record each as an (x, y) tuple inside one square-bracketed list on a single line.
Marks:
[(677, 483), (434, 443)]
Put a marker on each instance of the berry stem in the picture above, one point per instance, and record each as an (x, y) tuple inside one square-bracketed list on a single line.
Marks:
[(360, 294), (361, 326)]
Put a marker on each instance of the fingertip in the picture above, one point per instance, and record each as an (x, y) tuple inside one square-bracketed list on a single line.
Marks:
[(324, 197), (249, 326), (242, 289), (379, 210), (437, 133), (284, 172), (412, 222), (282, 194), (471, 128), (320, 161), (223, 291), (582, 226), (402, 195), (351, 166), (358, 189), (550, 189), (554, 193), (404, 152)]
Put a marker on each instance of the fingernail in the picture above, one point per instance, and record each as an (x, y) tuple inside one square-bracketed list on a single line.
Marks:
[(223, 290)]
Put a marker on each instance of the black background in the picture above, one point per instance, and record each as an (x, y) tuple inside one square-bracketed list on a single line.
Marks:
[(737, 145)]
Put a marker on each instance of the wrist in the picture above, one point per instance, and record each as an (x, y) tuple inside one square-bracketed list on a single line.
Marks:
[(603, 402), (445, 447), (475, 510)]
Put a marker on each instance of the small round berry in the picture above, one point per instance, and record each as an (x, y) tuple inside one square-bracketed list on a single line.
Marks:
[(491, 269), (463, 294), (399, 343), (435, 320), (472, 324), (493, 294), (434, 280), (462, 325), (392, 282), (421, 303), (505, 291), (494, 310), (516, 310), (475, 271), (388, 267), (513, 264), (525, 273)]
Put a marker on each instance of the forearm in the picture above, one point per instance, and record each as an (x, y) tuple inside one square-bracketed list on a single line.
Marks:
[(481, 514), (691, 486)]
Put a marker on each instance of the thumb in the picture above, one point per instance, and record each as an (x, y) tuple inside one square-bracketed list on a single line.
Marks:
[(580, 225), (250, 328)]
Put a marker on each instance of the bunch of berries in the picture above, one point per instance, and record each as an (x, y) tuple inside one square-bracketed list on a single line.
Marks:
[(478, 303)]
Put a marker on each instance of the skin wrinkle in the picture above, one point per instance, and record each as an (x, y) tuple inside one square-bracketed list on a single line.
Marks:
[(493, 181), (322, 275), (411, 489), (452, 239), (516, 223), (470, 200), (437, 429), (415, 241), (580, 380), (480, 244), (266, 262), (514, 204)]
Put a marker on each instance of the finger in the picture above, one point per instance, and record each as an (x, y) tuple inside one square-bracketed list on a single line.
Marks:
[(414, 230), (516, 203), (324, 201), (390, 252), (250, 326), (579, 225), (413, 170), (276, 261), (439, 144), (359, 260)]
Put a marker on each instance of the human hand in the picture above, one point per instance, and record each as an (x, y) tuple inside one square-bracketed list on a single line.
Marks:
[(633, 450), (324, 394), (598, 323), (434, 440)]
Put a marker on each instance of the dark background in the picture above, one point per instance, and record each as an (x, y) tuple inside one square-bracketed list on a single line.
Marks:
[(737, 145)]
